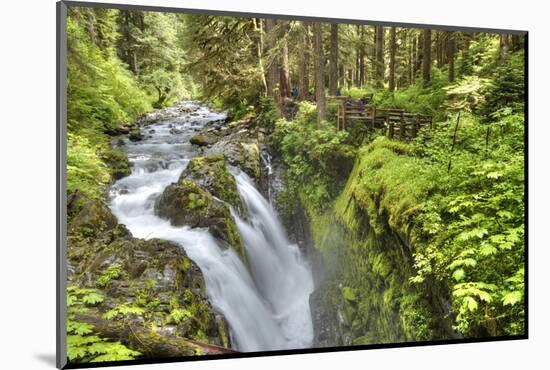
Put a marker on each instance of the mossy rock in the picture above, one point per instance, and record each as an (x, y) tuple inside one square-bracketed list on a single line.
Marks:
[(188, 203), (211, 173), (150, 276), (204, 138), (117, 161), (135, 135), (88, 217), (243, 154)]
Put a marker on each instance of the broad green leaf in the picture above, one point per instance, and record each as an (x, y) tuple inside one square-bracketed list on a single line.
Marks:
[(512, 298), (471, 303), (459, 274)]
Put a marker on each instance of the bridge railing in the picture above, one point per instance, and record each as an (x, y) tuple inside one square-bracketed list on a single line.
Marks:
[(398, 123)]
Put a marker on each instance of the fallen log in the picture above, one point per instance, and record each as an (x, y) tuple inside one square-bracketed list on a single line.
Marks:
[(152, 344)]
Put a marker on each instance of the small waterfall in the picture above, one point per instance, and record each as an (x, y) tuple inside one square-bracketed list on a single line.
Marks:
[(266, 159), (266, 308)]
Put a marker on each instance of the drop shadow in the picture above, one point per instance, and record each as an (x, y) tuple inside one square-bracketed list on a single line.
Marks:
[(46, 358)]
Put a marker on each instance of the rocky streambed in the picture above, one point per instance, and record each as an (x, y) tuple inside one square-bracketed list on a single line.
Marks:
[(198, 246)]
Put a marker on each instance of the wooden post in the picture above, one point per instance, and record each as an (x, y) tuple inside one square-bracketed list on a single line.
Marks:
[(402, 131), (338, 117), (390, 134), (344, 117), (415, 126), (373, 121)]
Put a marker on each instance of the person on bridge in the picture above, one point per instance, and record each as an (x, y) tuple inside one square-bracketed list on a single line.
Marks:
[(294, 92)]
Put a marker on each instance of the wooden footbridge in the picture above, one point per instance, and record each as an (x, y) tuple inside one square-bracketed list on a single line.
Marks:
[(398, 123)]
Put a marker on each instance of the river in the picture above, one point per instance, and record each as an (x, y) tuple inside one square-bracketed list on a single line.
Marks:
[(267, 305)]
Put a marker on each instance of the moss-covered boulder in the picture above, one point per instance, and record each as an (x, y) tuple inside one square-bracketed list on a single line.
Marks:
[(117, 162), (88, 217), (196, 200), (242, 154), (152, 282), (187, 203), (204, 138), (211, 172)]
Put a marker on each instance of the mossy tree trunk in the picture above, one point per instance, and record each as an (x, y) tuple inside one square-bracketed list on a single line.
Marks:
[(151, 344)]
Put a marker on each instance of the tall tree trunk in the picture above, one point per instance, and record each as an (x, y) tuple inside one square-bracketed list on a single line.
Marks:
[(284, 71), (91, 30), (393, 47), (413, 58), (362, 55), (419, 53), (341, 76), (504, 46), (259, 51), (303, 87), (319, 73), (272, 64), (333, 80), (357, 80), (379, 51), (441, 49), (427, 56), (451, 55), (516, 42)]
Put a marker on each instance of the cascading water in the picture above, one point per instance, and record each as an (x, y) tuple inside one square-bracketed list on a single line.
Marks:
[(266, 308)]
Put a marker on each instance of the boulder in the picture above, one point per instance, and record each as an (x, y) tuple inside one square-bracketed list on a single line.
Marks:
[(242, 154), (204, 138), (135, 135), (201, 198), (117, 161), (212, 174), (188, 203), (154, 275)]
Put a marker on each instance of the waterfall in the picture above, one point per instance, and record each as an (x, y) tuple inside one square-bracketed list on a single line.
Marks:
[(267, 308), (282, 276)]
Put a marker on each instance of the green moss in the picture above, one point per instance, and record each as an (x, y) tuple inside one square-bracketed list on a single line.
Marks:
[(358, 237), (386, 183), (235, 239), (349, 294), (211, 172), (251, 160), (117, 162), (185, 203)]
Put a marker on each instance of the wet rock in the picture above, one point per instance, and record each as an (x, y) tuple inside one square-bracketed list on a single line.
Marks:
[(135, 135), (120, 129), (155, 275), (88, 217), (117, 161), (242, 154), (327, 322), (204, 138), (201, 198), (211, 172)]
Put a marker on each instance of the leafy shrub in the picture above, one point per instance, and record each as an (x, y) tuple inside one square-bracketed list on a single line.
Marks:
[(82, 344), (318, 158)]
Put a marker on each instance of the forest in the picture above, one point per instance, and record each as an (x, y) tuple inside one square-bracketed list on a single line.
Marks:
[(241, 184)]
